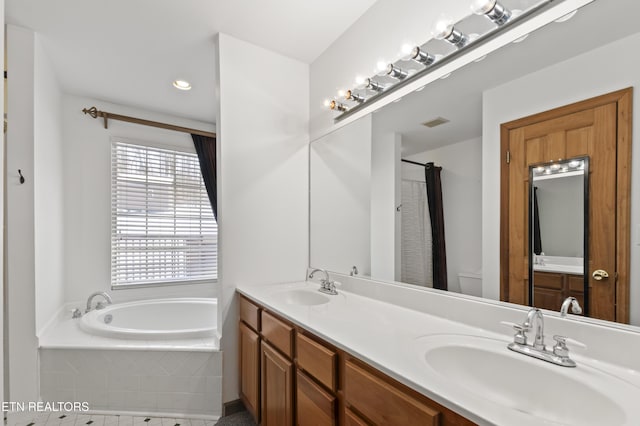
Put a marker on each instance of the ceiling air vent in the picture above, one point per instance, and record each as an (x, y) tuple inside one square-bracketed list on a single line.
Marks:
[(435, 122)]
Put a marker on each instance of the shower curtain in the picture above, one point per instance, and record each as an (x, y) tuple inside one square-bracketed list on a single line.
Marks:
[(416, 246)]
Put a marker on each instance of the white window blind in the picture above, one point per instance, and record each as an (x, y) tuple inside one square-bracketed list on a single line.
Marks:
[(162, 226)]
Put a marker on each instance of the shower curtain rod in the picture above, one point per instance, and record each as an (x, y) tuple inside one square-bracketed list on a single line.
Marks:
[(93, 112), (413, 162)]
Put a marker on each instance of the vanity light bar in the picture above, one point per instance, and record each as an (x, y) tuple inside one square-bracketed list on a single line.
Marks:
[(444, 30)]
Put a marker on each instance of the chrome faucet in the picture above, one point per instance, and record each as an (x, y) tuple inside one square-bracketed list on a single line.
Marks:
[(570, 302), (100, 304), (535, 321), (326, 285)]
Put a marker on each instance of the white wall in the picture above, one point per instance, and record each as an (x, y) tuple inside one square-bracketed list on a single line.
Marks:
[(262, 178), (48, 190), (340, 207), (3, 336), (385, 197), (576, 79), (87, 196), (20, 267), (461, 178)]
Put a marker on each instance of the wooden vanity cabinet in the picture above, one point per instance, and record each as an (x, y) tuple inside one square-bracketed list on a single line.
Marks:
[(305, 381), (277, 388), (551, 288), (249, 353)]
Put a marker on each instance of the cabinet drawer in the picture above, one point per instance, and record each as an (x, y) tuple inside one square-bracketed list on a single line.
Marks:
[(250, 314), (548, 280), (352, 419), (317, 360), (316, 407), (576, 283), (382, 403), (277, 333)]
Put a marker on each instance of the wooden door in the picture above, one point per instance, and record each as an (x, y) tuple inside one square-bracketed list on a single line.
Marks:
[(598, 128), (250, 370), (277, 388)]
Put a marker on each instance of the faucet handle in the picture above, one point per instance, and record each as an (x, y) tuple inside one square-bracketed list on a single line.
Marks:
[(561, 348), (519, 337)]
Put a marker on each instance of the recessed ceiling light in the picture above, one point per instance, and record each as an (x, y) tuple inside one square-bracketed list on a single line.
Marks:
[(182, 84)]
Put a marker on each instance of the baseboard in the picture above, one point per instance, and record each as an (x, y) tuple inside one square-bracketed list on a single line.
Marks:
[(232, 407)]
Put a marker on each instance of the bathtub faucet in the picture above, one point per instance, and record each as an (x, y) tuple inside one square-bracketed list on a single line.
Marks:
[(99, 305)]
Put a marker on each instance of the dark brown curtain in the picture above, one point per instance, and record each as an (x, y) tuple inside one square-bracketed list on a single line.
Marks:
[(439, 253), (206, 150), (537, 240)]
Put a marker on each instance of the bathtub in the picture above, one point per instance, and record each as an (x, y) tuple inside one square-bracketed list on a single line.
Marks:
[(158, 319)]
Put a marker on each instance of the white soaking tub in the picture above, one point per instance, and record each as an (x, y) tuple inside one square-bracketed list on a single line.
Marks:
[(158, 319)]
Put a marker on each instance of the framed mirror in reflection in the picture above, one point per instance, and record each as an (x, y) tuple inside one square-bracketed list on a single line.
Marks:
[(558, 232), (359, 184)]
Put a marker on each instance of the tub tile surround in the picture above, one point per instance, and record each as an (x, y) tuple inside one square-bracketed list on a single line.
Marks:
[(143, 381), (371, 320)]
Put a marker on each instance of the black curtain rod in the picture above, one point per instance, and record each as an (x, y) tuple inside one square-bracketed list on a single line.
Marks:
[(413, 162)]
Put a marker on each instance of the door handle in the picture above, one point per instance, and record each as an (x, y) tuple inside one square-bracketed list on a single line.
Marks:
[(600, 274)]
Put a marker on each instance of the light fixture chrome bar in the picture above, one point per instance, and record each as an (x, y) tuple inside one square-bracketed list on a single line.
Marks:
[(373, 85), (384, 91), (422, 57), (395, 72), (350, 96)]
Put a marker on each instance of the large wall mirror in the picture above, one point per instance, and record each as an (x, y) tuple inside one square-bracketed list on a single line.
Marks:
[(368, 199)]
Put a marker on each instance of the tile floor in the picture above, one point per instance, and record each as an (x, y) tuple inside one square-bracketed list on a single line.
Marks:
[(82, 419)]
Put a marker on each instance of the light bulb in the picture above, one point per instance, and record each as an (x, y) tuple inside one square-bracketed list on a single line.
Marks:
[(341, 93), (442, 30), (182, 84), (326, 103), (480, 7), (574, 163), (350, 96), (496, 12), (360, 80), (407, 49), (381, 66)]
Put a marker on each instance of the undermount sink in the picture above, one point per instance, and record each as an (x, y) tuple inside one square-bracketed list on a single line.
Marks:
[(556, 395), (304, 297)]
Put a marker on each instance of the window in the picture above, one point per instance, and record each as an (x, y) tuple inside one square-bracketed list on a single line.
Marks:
[(162, 226)]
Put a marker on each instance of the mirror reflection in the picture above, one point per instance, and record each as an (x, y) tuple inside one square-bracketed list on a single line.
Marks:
[(361, 187), (558, 205)]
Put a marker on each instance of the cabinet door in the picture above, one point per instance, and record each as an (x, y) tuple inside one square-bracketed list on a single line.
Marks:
[(316, 407), (277, 386), (382, 403), (250, 370)]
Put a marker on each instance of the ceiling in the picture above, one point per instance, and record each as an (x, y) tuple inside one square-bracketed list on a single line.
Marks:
[(128, 52), (459, 97)]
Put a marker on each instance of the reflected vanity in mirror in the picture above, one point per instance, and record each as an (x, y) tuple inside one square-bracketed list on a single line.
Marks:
[(358, 180), (558, 230)]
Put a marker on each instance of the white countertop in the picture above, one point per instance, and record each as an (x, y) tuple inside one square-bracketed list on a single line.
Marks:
[(387, 337)]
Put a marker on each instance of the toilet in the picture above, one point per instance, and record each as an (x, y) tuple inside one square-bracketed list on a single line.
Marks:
[(470, 283)]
